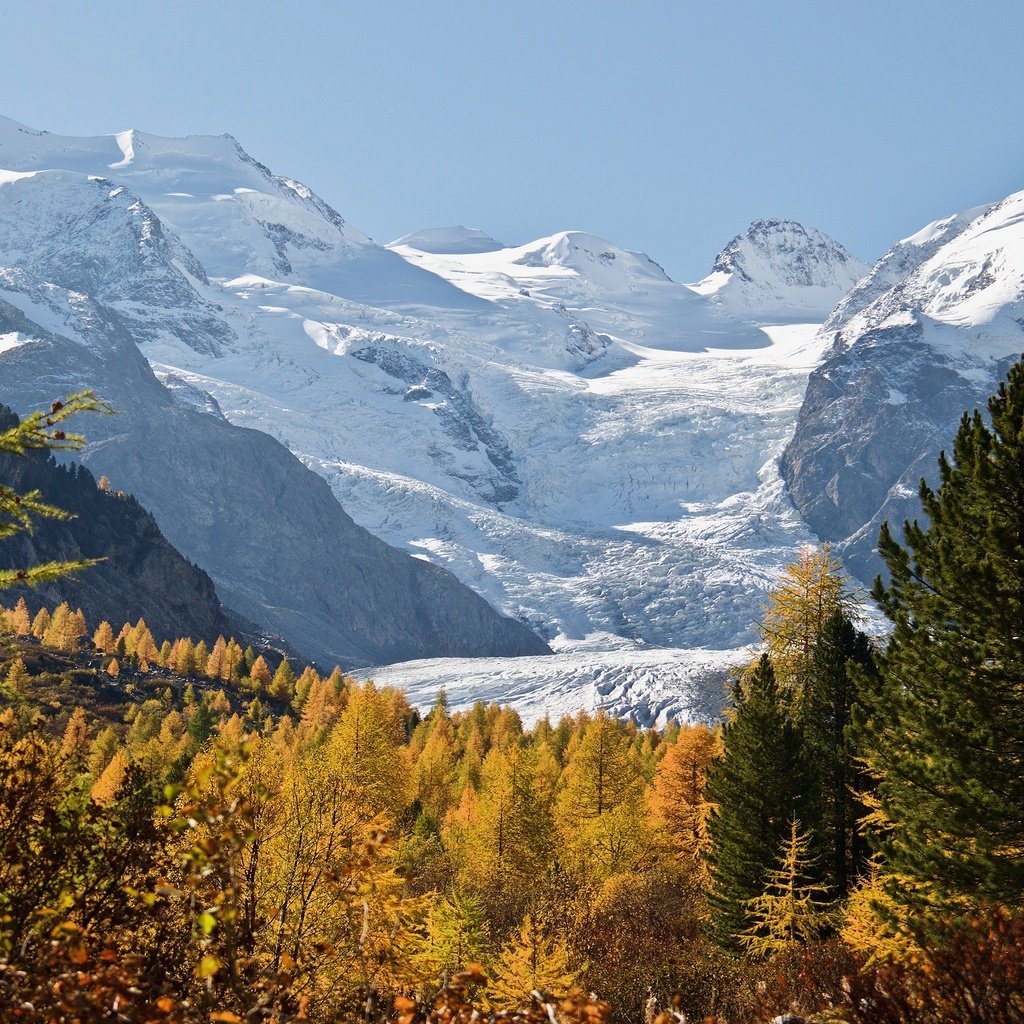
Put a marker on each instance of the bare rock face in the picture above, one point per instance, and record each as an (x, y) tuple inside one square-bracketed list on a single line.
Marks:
[(141, 574), (922, 339)]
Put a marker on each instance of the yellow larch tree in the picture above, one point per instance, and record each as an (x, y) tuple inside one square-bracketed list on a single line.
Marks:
[(214, 666), (434, 772), (106, 788), (533, 961), (60, 632), (259, 675), (19, 619), (282, 686), (677, 796), (17, 679), (600, 810), (793, 909), (808, 593), (364, 743), (103, 639), (40, 623), (75, 742)]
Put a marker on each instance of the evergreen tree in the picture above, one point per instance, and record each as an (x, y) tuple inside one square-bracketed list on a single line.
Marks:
[(200, 725), (256, 714), (756, 787), (945, 734), (841, 666)]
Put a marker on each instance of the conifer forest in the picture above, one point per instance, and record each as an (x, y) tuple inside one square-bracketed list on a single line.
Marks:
[(209, 830)]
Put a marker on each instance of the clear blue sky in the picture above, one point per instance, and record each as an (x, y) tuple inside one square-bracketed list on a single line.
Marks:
[(664, 126)]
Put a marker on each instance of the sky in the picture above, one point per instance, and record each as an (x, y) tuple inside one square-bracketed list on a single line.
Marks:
[(665, 127)]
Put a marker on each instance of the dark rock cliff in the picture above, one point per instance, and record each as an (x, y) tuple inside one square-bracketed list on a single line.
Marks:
[(141, 573)]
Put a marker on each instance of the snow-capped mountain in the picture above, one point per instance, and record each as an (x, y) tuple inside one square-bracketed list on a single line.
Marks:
[(586, 443), (924, 337), (78, 258), (781, 271)]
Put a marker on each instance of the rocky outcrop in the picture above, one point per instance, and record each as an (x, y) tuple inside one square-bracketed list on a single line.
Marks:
[(924, 338), (140, 574)]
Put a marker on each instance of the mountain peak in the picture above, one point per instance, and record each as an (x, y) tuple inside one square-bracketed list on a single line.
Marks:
[(805, 254), (779, 267)]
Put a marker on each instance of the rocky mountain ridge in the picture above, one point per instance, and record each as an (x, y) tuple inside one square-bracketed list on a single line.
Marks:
[(924, 337), (782, 270), (140, 575)]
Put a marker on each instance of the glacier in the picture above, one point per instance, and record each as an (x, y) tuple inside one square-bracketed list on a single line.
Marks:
[(591, 446)]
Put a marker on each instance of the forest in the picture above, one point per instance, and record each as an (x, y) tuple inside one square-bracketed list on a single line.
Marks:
[(193, 833)]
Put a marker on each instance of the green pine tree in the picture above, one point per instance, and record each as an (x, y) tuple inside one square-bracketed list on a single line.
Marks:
[(945, 735), (755, 788), (841, 666), (200, 725)]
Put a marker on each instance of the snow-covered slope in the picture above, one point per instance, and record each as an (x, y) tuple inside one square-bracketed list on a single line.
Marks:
[(455, 240), (232, 212), (926, 336), (586, 443), (781, 271)]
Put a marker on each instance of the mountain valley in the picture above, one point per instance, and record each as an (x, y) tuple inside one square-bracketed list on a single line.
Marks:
[(591, 447)]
